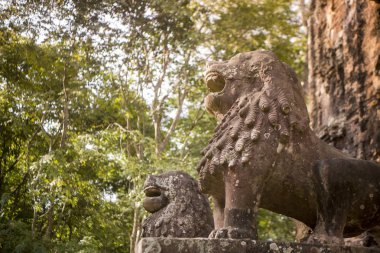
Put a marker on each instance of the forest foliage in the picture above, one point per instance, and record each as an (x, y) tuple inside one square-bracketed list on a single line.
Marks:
[(95, 95)]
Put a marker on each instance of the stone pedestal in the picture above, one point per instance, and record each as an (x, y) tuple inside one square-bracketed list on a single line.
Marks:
[(204, 245)]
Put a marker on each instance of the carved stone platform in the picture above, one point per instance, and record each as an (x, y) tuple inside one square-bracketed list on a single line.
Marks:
[(203, 245)]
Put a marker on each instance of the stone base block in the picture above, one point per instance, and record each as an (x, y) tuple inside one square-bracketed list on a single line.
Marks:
[(204, 245)]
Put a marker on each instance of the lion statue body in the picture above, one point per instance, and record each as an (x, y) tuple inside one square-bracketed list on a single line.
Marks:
[(264, 154), (178, 207)]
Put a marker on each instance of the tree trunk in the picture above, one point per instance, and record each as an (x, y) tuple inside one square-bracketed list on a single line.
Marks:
[(50, 221), (65, 112), (136, 227), (344, 74)]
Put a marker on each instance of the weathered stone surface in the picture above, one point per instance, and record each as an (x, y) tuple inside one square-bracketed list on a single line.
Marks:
[(264, 154), (199, 245), (344, 74), (178, 207)]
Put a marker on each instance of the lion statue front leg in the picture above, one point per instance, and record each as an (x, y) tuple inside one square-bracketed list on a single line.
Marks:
[(235, 216), (238, 217)]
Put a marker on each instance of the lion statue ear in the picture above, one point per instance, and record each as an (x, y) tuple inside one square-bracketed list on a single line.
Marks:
[(276, 110), (299, 108)]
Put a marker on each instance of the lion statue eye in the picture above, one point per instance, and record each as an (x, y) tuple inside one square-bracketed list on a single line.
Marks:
[(215, 81)]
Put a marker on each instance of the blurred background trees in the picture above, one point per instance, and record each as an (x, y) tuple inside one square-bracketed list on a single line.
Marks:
[(95, 95)]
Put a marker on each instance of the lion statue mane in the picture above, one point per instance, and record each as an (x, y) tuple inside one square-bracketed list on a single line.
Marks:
[(264, 154), (178, 207)]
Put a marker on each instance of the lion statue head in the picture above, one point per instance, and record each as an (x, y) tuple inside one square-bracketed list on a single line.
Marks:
[(178, 207), (255, 97), (251, 73)]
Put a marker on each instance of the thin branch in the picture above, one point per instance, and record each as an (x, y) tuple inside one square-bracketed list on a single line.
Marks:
[(181, 99), (200, 113)]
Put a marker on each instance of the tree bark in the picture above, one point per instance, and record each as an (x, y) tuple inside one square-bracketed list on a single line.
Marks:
[(344, 74)]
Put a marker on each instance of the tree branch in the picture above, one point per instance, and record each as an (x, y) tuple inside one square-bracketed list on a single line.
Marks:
[(181, 99)]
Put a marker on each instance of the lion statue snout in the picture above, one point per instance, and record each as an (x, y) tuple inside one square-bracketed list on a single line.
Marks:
[(155, 198)]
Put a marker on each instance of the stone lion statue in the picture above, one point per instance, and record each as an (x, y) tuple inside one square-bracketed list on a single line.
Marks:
[(178, 207), (264, 154)]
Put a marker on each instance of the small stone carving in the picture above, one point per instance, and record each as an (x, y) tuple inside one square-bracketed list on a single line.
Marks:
[(178, 207), (263, 154)]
